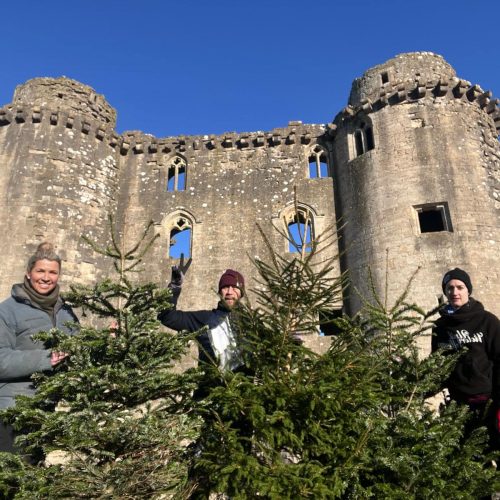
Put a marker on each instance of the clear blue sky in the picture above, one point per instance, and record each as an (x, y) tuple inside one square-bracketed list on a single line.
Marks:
[(191, 67)]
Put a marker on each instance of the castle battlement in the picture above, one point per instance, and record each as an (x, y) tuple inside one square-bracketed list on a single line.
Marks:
[(20, 114), (137, 142), (296, 133), (65, 94), (398, 92)]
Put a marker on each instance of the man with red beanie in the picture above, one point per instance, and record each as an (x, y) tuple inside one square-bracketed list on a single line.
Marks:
[(219, 339)]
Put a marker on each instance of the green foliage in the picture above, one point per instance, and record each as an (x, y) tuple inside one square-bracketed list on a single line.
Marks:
[(116, 411), (351, 423), (18, 479)]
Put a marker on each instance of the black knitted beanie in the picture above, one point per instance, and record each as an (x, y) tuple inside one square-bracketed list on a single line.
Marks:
[(457, 274)]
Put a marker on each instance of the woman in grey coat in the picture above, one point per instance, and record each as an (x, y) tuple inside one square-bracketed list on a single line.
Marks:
[(33, 306)]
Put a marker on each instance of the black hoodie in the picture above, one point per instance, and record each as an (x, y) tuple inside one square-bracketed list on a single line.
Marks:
[(477, 331)]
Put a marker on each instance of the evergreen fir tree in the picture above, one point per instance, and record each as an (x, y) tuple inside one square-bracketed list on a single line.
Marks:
[(352, 423), (116, 411)]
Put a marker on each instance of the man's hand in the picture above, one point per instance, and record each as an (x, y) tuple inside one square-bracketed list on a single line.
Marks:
[(179, 271)]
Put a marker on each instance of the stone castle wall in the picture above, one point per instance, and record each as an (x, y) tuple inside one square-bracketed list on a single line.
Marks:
[(233, 183), (58, 175), (435, 143), (64, 172), (413, 135)]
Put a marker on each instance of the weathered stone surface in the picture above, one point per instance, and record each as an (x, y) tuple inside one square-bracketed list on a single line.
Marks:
[(427, 138), (437, 147)]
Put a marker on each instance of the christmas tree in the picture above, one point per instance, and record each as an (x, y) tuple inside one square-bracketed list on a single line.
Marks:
[(290, 423), (352, 423), (116, 417)]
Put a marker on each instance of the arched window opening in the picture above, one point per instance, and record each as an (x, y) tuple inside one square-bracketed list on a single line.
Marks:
[(176, 176), (318, 165), (363, 139), (300, 232), (180, 238)]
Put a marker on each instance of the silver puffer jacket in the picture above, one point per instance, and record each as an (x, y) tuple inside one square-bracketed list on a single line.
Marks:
[(20, 356)]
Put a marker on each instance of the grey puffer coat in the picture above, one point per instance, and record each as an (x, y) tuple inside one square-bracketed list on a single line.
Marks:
[(20, 356)]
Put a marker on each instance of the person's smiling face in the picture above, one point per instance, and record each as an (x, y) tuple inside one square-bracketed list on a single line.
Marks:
[(44, 276)]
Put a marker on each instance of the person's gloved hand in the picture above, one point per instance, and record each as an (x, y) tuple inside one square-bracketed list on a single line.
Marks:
[(179, 271)]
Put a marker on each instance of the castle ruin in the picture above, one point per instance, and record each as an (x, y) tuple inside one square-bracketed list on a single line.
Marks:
[(411, 168)]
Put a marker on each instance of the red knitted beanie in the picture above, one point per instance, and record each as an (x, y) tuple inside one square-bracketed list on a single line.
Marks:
[(232, 278)]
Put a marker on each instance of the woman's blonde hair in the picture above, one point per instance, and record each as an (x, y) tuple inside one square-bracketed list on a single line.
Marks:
[(45, 251)]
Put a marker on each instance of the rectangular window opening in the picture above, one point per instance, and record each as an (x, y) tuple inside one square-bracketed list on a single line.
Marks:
[(434, 217), (385, 77)]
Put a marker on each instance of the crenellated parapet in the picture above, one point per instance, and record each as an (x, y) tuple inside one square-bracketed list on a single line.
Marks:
[(296, 133), (399, 92), (411, 78), (87, 126), (137, 143), (405, 69), (64, 94), (62, 104)]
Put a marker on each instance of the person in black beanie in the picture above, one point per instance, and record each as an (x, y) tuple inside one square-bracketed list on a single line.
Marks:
[(465, 325), (34, 306)]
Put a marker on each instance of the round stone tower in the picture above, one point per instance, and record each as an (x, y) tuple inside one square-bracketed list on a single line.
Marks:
[(58, 176), (417, 179)]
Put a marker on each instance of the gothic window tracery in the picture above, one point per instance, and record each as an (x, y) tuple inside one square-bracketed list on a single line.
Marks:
[(299, 225), (180, 236), (176, 175), (363, 138), (318, 165)]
